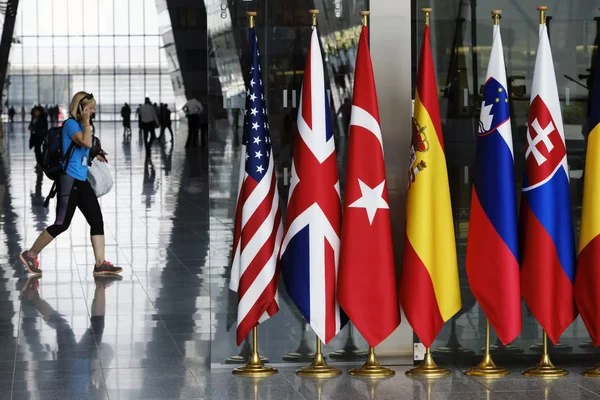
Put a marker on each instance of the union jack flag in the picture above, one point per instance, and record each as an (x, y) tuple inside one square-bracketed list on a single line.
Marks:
[(310, 249), (258, 229)]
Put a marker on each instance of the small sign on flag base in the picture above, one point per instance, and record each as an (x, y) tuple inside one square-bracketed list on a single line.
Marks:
[(255, 367), (319, 368), (372, 368)]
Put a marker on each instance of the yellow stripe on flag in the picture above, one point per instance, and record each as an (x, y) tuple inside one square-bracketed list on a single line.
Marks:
[(590, 215), (429, 225)]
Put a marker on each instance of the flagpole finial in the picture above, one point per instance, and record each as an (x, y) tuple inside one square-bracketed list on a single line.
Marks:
[(496, 15), (542, 10), (251, 15), (365, 17), (314, 16), (427, 11)]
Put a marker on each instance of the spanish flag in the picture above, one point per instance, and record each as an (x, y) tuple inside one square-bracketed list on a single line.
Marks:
[(429, 288), (587, 277)]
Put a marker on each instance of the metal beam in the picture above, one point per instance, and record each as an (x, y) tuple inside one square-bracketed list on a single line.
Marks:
[(10, 17)]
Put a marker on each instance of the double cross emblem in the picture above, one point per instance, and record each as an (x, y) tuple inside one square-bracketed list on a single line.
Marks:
[(542, 135)]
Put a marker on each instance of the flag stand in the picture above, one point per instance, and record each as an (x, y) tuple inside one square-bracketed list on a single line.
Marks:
[(592, 372), (255, 367), (372, 368), (545, 368), (319, 368), (487, 368), (428, 368)]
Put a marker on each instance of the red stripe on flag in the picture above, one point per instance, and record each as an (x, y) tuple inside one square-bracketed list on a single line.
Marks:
[(259, 214), (587, 288), (259, 261), (417, 297), (544, 284), (265, 302), (427, 86), (330, 319), (493, 273)]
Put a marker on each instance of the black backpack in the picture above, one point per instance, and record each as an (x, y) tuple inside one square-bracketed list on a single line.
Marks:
[(54, 158)]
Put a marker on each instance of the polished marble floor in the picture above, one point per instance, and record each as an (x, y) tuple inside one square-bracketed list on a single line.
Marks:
[(148, 336)]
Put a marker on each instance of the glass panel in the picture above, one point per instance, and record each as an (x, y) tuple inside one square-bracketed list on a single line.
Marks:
[(136, 17), (105, 18), (121, 17)]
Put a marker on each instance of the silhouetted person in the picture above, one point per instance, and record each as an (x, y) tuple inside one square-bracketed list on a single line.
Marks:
[(38, 129), (165, 121), (193, 108), (137, 116), (11, 114), (23, 113), (126, 115), (346, 111), (149, 121)]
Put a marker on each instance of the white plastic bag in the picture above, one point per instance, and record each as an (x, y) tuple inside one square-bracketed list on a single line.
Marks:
[(100, 178)]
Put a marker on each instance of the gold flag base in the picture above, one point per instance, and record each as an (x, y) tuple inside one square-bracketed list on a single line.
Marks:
[(319, 368), (428, 368), (545, 369), (255, 368), (592, 372), (487, 369), (371, 368)]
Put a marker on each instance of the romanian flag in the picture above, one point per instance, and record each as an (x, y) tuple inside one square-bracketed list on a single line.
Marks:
[(587, 278), (429, 288)]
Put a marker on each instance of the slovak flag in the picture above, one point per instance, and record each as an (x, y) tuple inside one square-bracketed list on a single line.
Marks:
[(547, 238), (311, 242), (492, 247)]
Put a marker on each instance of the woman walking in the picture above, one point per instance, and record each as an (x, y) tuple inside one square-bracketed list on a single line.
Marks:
[(74, 191)]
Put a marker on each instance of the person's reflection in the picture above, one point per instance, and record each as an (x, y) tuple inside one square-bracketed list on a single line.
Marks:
[(345, 110), (77, 355), (166, 157), (149, 189), (40, 213)]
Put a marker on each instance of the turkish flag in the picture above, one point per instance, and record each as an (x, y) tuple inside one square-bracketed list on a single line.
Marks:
[(367, 277)]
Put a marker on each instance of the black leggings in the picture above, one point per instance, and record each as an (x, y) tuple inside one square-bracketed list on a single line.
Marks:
[(73, 193)]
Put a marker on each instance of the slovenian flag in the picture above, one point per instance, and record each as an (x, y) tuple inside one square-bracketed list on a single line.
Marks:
[(492, 247)]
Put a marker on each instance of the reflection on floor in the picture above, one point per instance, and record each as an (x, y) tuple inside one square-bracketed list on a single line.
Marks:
[(147, 336)]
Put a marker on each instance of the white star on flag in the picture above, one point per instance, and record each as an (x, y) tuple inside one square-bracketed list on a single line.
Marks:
[(371, 199), (254, 111), (252, 97), (255, 126), (258, 154), (252, 83), (257, 140), (260, 169)]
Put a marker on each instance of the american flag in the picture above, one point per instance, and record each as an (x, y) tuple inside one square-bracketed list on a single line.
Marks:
[(258, 228), (311, 245)]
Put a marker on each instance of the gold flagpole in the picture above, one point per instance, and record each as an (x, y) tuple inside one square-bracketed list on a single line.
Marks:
[(255, 367), (428, 368), (545, 368), (487, 368), (319, 368), (371, 368)]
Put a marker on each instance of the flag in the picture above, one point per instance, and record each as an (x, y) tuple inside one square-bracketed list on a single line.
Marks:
[(587, 279), (429, 288), (258, 229), (367, 253), (547, 240), (311, 243), (492, 246)]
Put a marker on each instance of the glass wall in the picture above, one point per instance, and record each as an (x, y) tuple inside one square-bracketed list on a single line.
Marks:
[(461, 42), (283, 29), (111, 48)]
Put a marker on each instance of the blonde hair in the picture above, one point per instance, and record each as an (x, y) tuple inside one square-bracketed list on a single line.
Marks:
[(80, 99)]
